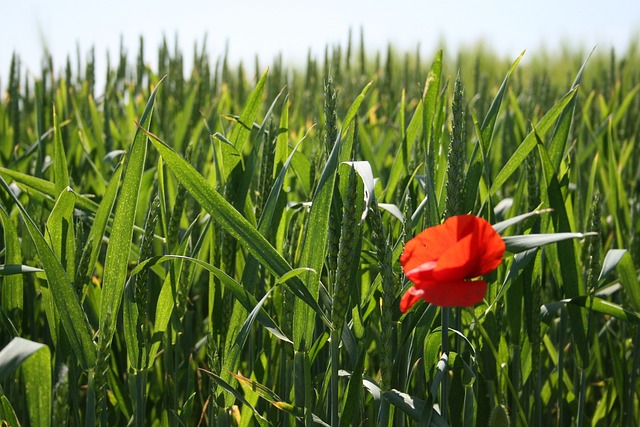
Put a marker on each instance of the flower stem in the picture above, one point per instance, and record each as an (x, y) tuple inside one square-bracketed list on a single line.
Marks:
[(335, 341), (444, 390)]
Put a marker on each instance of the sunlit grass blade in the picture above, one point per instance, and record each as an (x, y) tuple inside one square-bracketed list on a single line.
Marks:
[(478, 162), (229, 389), (628, 275), (13, 269), (530, 142), (117, 257), (526, 242), (12, 291), (241, 131), (315, 236), (230, 219), (100, 220), (36, 371), (60, 231), (35, 360), (412, 406), (489, 121), (611, 261), (15, 353), (47, 188), (556, 147), (68, 307), (61, 172)]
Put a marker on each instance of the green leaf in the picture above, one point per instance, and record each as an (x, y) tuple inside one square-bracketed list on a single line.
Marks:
[(165, 302), (117, 257), (99, 224), (136, 351), (12, 289), (489, 122), (229, 389), (622, 108), (247, 300), (561, 132), (10, 269), (413, 407), (525, 242), (60, 170), (231, 220), (7, 413), (629, 279), (351, 113), (36, 371), (530, 142), (66, 302), (46, 187), (499, 227), (564, 262), (241, 131), (15, 353), (314, 246), (611, 260), (60, 231), (35, 359), (594, 303)]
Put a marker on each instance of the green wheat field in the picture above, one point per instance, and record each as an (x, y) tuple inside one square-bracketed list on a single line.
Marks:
[(212, 244)]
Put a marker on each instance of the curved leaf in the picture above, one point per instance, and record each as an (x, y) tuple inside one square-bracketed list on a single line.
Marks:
[(72, 316)]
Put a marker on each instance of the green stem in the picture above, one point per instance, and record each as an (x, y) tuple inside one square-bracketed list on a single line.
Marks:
[(562, 327), (333, 391), (139, 386), (444, 390)]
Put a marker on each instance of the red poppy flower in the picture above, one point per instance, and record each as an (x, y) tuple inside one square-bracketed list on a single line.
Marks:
[(442, 261)]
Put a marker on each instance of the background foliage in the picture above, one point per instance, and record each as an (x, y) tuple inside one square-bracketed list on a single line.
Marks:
[(221, 246)]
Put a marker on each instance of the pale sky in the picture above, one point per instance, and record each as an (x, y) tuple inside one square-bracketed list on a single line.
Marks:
[(293, 27)]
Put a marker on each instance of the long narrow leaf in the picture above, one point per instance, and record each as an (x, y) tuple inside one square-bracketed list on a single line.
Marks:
[(115, 270), (529, 143), (72, 317)]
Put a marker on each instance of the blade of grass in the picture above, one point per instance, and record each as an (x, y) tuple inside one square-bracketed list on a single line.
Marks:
[(46, 187), (12, 290), (246, 299), (60, 170), (117, 257), (231, 220), (477, 163), (72, 316), (530, 142), (36, 371), (60, 231)]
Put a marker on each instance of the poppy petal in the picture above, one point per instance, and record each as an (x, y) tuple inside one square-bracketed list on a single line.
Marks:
[(422, 273), (490, 249), (427, 246), (409, 298), (459, 261), (464, 293)]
